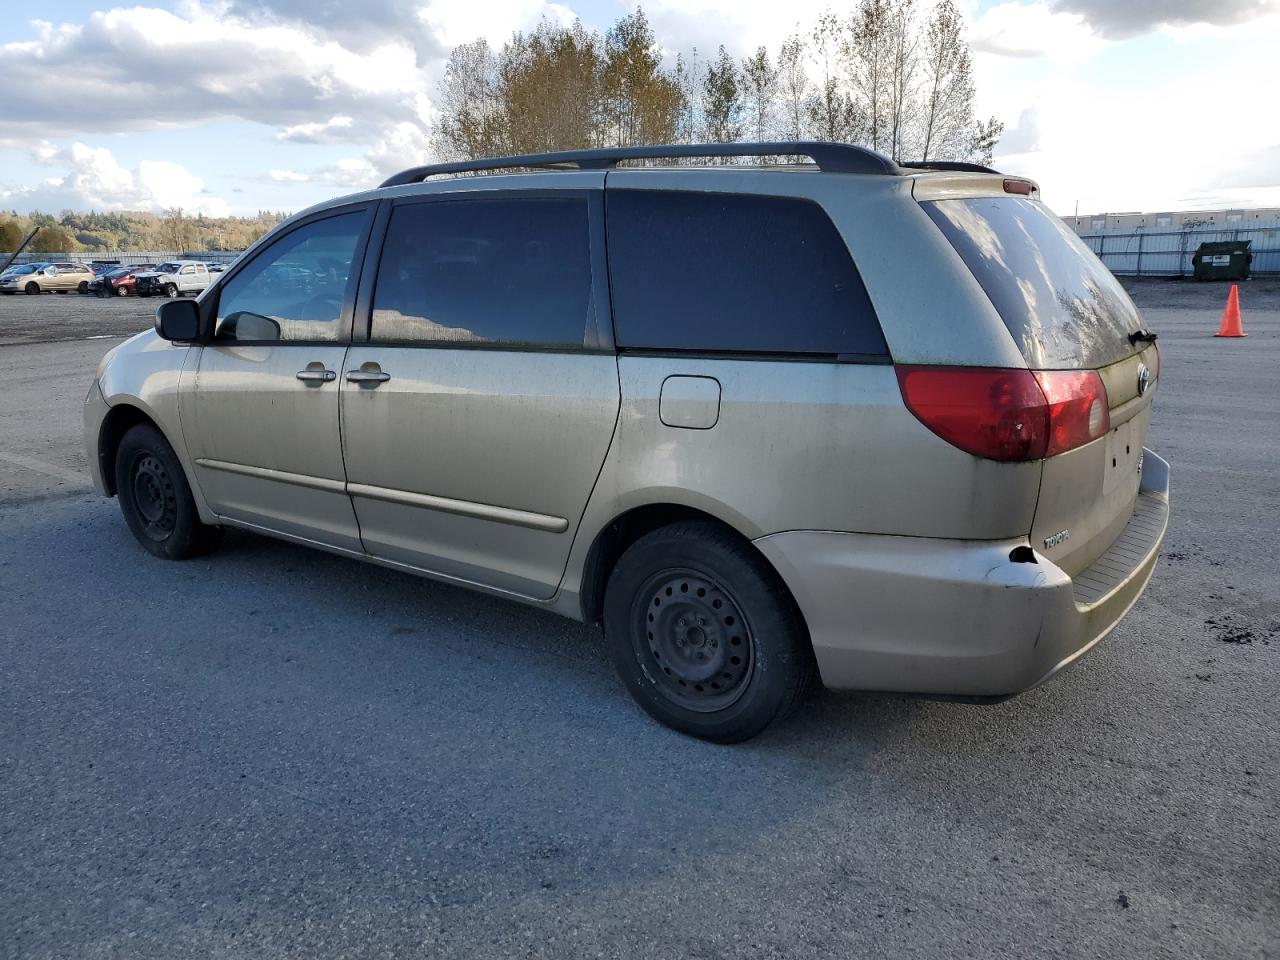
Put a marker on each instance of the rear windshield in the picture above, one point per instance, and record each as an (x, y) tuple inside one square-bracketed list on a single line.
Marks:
[(1063, 307)]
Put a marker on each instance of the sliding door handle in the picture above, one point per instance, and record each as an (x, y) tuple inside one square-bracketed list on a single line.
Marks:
[(371, 377), (317, 376)]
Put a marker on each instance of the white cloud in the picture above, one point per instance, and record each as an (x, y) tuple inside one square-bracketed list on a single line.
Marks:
[(96, 180), (325, 131), (1034, 30)]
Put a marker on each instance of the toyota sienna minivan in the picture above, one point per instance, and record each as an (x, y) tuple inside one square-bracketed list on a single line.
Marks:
[(877, 421)]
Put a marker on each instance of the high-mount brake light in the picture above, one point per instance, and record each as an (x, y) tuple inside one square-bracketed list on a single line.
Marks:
[(1007, 414), (1023, 187)]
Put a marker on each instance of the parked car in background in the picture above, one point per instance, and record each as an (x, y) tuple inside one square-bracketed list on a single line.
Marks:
[(173, 279), (100, 267), (58, 277), (120, 281)]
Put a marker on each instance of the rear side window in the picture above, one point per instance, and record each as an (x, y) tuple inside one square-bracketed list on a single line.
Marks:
[(511, 271), (1062, 306), (723, 273)]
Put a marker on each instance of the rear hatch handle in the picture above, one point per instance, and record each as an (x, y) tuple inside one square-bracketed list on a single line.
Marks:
[(1143, 336)]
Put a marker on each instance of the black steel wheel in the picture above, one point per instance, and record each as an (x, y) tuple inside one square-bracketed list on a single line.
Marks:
[(697, 636), (704, 633), (155, 497), (32, 288)]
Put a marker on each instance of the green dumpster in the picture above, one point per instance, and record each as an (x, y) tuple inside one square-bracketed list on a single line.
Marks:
[(1222, 260)]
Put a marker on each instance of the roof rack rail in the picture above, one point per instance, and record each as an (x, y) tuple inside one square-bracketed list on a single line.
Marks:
[(958, 165), (830, 158)]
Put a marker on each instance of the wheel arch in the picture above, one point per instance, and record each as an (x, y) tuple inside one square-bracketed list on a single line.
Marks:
[(613, 539), (120, 419)]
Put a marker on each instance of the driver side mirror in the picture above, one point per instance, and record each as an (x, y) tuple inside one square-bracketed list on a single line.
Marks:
[(178, 320)]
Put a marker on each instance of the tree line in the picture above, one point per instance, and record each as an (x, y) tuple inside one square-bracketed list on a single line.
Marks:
[(890, 75), (108, 232)]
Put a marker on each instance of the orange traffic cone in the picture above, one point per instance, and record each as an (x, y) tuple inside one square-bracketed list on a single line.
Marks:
[(1231, 326)]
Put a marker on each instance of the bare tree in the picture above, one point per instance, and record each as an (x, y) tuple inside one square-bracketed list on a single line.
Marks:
[(793, 83), (947, 107), (831, 111), (760, 92), (867, 51), (471, 113), (902, 44), (685, 77)]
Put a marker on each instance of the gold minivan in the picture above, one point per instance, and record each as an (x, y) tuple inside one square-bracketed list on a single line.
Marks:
[(879, 421), (36, 278)]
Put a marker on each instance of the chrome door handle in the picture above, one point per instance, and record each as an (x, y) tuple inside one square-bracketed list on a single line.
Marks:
[(367, 376), (317, 376)]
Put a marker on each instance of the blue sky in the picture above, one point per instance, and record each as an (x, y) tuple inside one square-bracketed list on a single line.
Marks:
[(240, 105)]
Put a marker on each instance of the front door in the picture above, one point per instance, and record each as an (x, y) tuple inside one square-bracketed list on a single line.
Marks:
[(262, 412), (477, 416)]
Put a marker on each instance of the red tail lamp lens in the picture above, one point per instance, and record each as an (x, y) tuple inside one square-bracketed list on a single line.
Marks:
[(1078, 409), (1008, 415)]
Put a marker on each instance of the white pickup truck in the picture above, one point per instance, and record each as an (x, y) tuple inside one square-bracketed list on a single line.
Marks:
[(174, 279)]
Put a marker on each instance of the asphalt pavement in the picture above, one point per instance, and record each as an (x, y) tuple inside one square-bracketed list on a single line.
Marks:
[(271, 752)]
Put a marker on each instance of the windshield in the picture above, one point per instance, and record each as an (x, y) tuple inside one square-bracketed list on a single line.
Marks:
[(19, 271), (1064, 308)]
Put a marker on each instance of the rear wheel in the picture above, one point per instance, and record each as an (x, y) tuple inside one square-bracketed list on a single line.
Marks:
[(32, 288), (83, 288), (704, 634), (156, 499)]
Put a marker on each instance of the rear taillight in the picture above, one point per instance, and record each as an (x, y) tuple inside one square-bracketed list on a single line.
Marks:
[(1007, 414)]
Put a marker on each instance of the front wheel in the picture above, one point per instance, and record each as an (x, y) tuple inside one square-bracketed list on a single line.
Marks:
[(704, 634), (170, 290), (156, 499), (122, 291), (32, 288)]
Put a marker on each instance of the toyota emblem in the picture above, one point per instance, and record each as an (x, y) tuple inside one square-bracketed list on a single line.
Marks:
[(1144, 378)]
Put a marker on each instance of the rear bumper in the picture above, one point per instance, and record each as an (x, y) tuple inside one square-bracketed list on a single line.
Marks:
[(956, 617)]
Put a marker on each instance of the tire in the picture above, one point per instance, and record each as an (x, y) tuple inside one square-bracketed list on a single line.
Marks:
[(83, 289), (704, 634), (170, 290), (32, 288), (122, 291), (155, 497)]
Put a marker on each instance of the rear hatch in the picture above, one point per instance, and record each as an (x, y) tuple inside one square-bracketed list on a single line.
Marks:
[(1066, 312)]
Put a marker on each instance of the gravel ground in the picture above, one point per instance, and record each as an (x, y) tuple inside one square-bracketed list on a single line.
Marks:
[(273, 752), (70, 316)]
